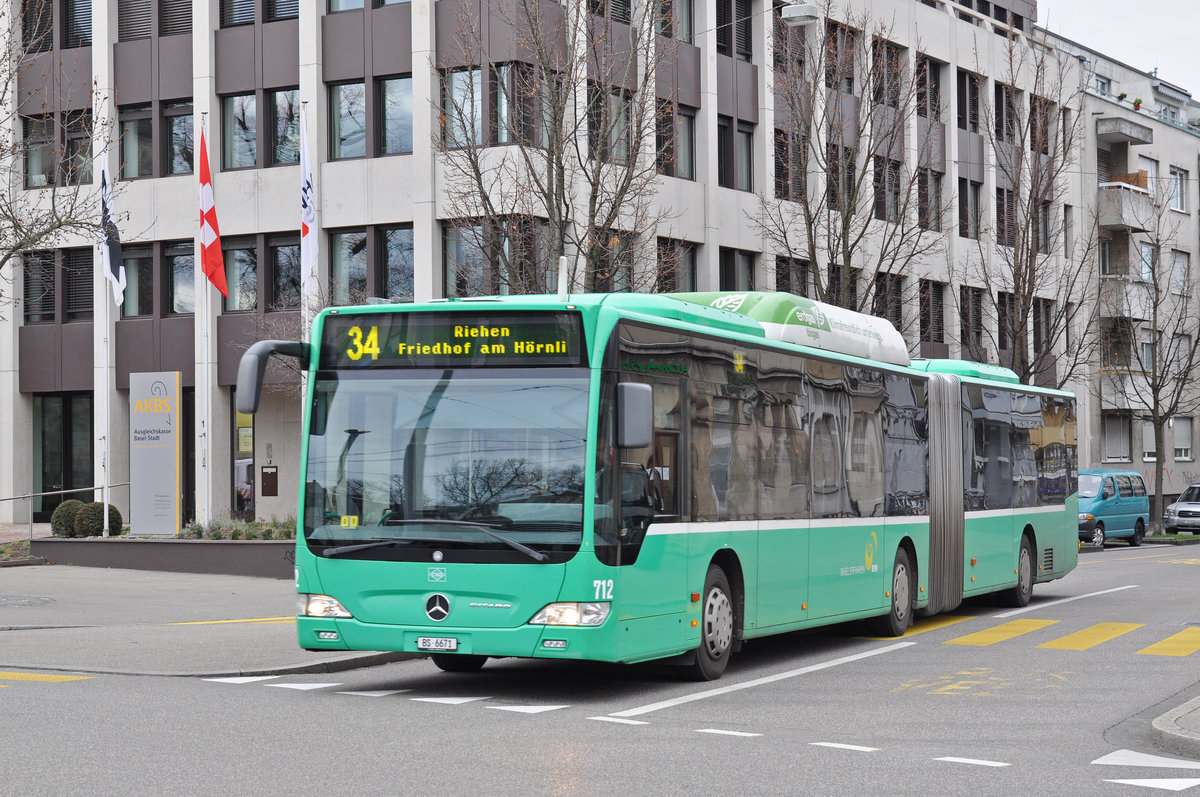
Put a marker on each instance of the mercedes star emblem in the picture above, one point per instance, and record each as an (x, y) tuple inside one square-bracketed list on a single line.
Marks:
[(437, 607)]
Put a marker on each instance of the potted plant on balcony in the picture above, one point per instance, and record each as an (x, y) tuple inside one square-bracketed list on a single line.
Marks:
[(1137, 103), (1121, 97)]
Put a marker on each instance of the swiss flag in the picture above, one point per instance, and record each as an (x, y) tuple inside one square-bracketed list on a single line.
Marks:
[(212, 262)]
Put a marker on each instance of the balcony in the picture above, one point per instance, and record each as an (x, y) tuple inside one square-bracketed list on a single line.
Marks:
[(1122, 297), (1124, 203), (1115, 130)]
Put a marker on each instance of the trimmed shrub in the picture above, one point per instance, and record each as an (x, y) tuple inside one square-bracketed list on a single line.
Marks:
[(89, 521), (62, 521)]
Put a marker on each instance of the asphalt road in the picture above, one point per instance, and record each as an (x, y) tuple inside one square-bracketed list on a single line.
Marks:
[(1056, 699)]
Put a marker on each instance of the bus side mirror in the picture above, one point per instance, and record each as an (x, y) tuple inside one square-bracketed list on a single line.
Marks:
[(635, 415), (253, 367)]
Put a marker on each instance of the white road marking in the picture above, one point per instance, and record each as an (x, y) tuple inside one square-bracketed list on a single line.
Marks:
[(449, 701), (303, 687), (1166, 784), (377, 692), (241, 679), (1048, 604), (723, 690), (618, 719), (976, 761), (1129, 758), (726, 733), (528, 709), (846, 747)]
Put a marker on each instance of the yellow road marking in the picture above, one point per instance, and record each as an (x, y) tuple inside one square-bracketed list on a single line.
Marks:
[(1090, 637), (1001, 633), (1185, 643), (923, 624), (264, 620), (34, 676), (1125, 558)]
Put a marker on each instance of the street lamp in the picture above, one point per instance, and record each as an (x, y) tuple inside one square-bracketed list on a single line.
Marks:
[(797, 16)]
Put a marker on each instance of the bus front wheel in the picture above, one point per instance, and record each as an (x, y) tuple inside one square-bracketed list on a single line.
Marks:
[(896, 621), (716, 626), (456, 662), (1020, 594)]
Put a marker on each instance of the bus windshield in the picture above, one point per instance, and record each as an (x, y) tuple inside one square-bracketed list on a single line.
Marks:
[(479, 464)]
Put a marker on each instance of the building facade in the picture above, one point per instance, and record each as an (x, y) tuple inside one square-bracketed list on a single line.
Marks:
[(133, 83)]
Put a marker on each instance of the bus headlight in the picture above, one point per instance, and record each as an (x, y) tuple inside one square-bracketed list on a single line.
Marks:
[(571, 614), (321, 606)]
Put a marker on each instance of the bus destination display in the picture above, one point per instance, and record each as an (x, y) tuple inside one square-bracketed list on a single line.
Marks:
[(440, 340)]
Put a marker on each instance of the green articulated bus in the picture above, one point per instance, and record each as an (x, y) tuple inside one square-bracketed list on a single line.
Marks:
[(628, 477)]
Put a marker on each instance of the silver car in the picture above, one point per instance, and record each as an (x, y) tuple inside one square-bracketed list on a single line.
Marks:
[(1184, 514)]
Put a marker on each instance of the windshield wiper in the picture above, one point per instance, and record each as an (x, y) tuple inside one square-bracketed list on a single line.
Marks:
[(381, 542)]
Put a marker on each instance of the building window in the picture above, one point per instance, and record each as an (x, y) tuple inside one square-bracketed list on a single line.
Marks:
[(463, 259), (240, 132), (37, 25), (792, 275), (614, 271), (178, 131), (38, 268), (1148, 260), (609, 124), (673, 19), (933, 311), (39, 150), (348, 266), (174, 17), (1006, 321), (1006, 216), (1179, 180), (929, 199), (77, 27), (1041, 114), (1107, 267), (1181, 429), (676, 266), (78, 155), (1041, 227), (735, 29), (397, 123), (1116, 344), (744, 152), (970, 318), (1103, 86), (1005, 111), (398, 263), (840, 178), (886, 175), (236, 12), (842, 288), (617, 10), (1043, 326), (929, 88), (736, 270), (285, 274), (181, 269), (840, 44), (241, 278), (348, 120), (139, 283), (1116, 434), (1181, 272), (133, 20), (462, 108), (888, 301), (282, 9), (969, 193), (137, 147), (889, 73), (968, 101), (284, 106), (77, 283), (724, 152), (345, 5), (791, 165)]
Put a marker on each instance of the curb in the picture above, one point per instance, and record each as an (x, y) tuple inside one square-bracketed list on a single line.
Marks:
[(1168, 736), (338, 664), (33, 560)]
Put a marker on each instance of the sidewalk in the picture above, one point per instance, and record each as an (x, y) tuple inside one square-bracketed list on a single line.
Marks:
[(15, 533), (137, 622)]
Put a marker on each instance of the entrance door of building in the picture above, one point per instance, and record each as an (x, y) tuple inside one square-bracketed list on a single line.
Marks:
[(62, 449)]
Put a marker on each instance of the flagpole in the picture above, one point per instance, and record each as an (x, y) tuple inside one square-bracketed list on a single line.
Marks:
[(206, 424), (107, 409)]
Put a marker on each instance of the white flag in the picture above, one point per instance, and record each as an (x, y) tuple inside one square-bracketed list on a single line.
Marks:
[(308, 222), (110, 238)]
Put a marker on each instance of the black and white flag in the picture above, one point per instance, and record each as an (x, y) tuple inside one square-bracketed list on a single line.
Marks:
[(110, 241)]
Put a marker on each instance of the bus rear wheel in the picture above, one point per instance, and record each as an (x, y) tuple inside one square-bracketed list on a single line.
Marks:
[(716, 626), (897, 620), (454, 662), (1020, 594)]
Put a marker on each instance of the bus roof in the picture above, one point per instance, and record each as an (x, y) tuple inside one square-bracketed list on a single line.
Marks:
[(968, 368)]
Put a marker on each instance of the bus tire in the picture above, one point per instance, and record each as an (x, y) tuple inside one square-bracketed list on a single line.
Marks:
[(716, 626), (455, 662), (1020, 594), (899, 617)]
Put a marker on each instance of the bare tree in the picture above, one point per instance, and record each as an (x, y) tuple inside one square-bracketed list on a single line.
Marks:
[(1036, 266), (857, 187), (548, 144), (48, 198), (1150, 329)]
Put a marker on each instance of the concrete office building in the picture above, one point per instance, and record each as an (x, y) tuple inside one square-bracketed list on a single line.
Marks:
[(377, 79)]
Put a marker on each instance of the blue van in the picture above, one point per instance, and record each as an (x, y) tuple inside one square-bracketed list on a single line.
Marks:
[(1112, 503)]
